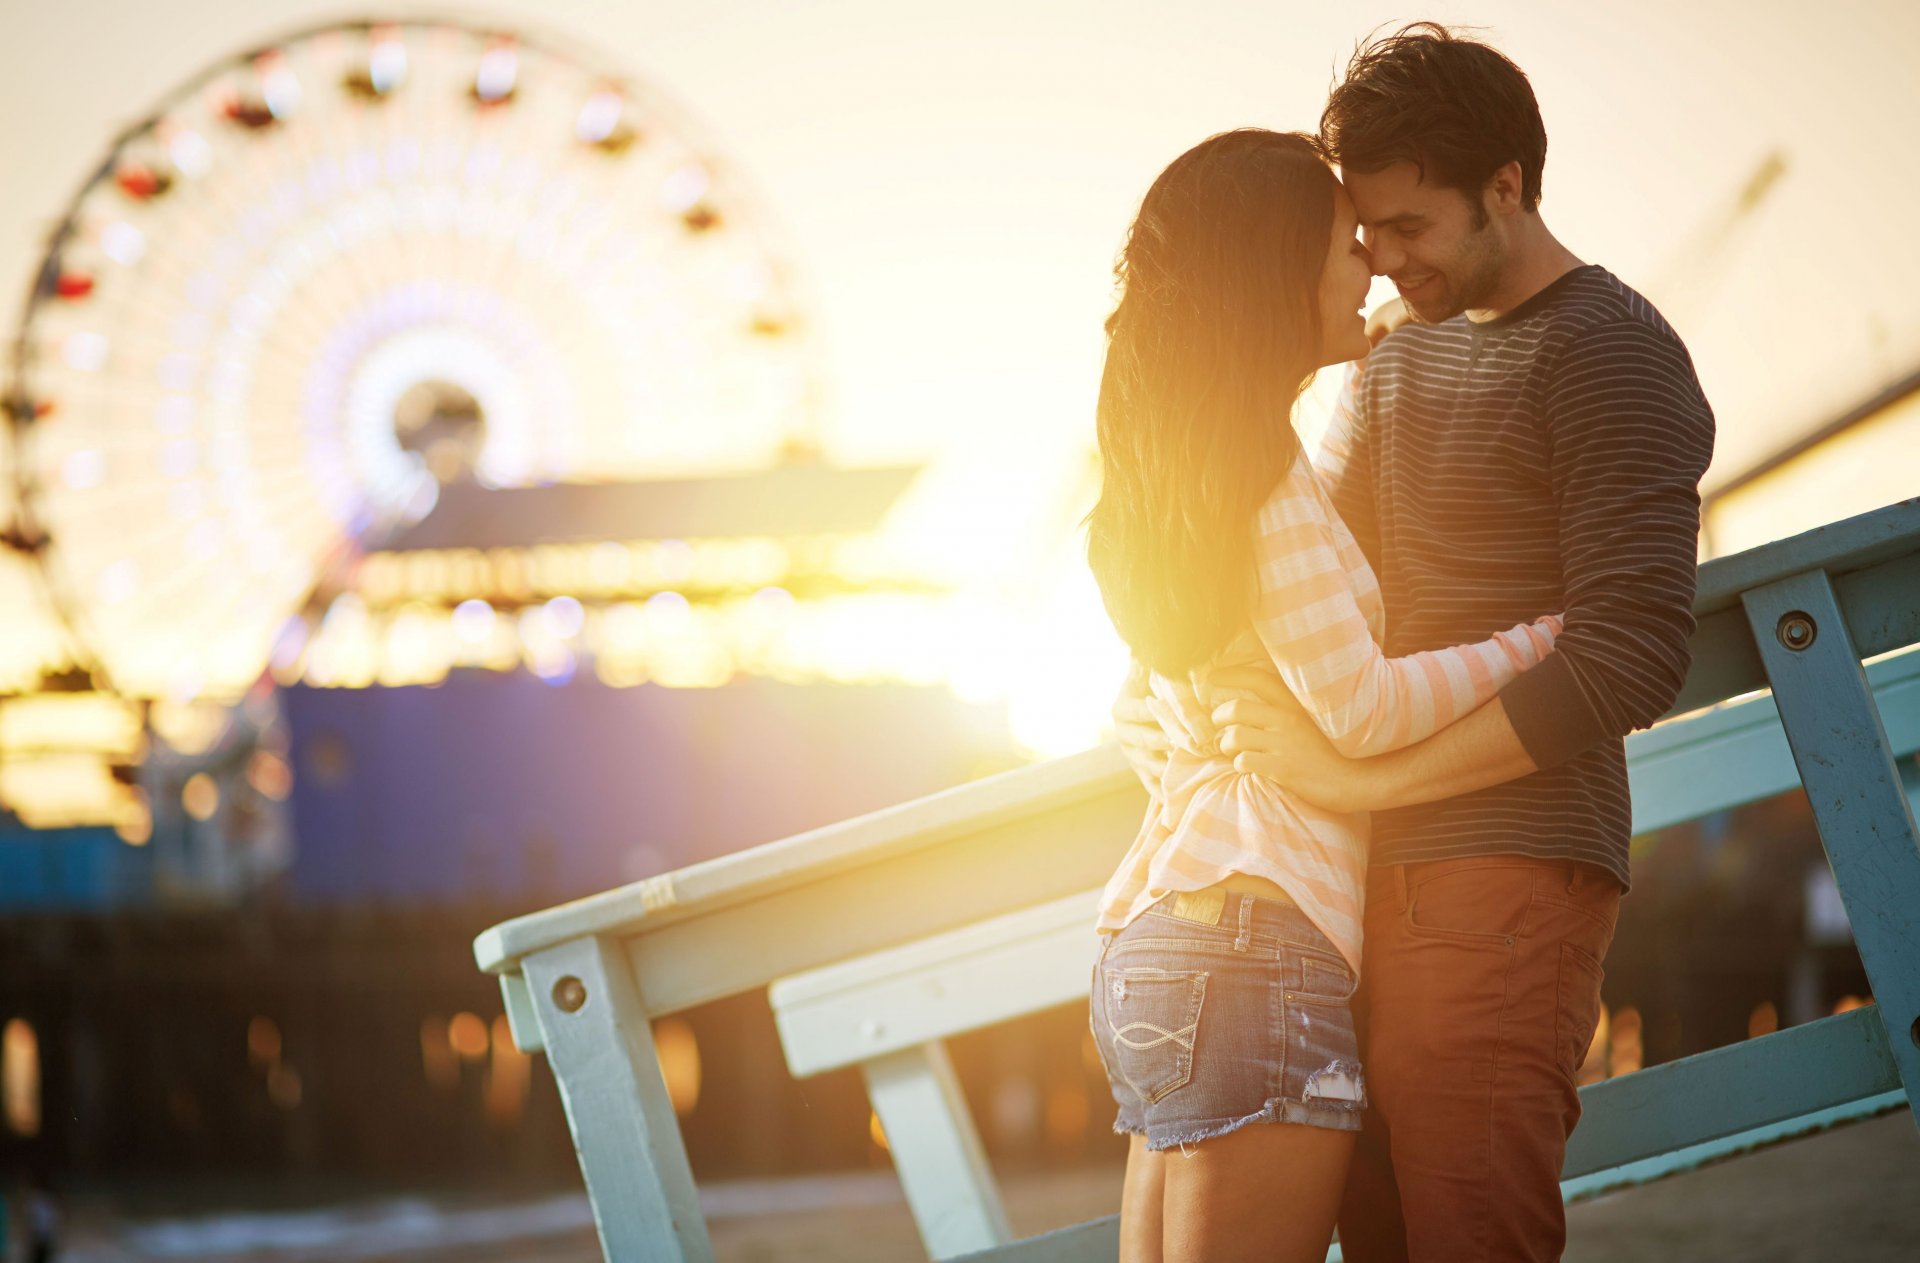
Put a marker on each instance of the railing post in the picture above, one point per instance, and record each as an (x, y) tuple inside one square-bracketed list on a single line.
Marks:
[(936, 1151), (1866, 824), (600, 1044)]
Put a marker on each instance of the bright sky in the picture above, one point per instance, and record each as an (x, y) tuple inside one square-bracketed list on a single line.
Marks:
[(954, 180)]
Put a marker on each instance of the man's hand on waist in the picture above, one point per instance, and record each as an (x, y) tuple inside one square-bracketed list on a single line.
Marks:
[(1269, 734)]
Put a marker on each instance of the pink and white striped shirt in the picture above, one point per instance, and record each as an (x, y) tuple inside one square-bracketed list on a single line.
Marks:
[(1317, 624)]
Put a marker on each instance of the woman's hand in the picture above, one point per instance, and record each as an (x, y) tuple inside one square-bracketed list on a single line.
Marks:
[(1271, 735), (1141, 738)]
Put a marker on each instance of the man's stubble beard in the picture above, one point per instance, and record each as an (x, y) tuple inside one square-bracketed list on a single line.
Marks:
[(1480, 283)]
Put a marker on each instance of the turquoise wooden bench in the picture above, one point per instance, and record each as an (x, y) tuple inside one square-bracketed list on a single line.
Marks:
[(882, 936)]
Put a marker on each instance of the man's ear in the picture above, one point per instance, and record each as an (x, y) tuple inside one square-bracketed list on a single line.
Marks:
[(1502, 192)]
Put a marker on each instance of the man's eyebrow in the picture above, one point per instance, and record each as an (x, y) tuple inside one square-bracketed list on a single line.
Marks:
[(1395, 221)]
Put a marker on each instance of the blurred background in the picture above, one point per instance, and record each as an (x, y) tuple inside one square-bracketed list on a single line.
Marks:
[(456, 465)]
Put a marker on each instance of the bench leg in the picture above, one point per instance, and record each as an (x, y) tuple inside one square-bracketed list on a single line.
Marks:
[(600, 1044), (936, 1151), (1866, 824)]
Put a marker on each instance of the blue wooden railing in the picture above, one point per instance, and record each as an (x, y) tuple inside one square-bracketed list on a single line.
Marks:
[(882, 936)]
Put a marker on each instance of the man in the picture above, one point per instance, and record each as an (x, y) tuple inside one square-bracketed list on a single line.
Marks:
[(1530, 442)]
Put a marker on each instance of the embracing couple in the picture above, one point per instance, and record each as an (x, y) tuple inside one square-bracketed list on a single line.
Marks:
[(1351, 965)]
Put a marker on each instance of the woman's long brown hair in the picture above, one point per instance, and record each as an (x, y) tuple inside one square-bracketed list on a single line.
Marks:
[(1216, 334)]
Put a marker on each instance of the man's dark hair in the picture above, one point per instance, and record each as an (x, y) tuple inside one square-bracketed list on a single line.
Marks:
[(1457, 109)]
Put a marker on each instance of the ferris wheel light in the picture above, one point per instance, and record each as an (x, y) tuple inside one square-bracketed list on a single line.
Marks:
[(189, 151), (387, 64), (403, 159), (280, 90), (177, 370), (187, 501), (669, 604), (118, 582), (73, 286), (483, 167), (227, 382), (179, 458), (173, 413), (493, 82), (565, 616), (473, 622), (142, 182), (249, 113), (191, 330), (598, 117), (203, 289), (673, 560), (362, 167), (83, 469), (555, 667), (684, 187), (123, 243), (204, 540), (86, 351), (324, 179)]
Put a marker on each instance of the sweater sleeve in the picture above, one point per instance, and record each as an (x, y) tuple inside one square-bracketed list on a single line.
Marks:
[(1631, 434), (1309, 620)]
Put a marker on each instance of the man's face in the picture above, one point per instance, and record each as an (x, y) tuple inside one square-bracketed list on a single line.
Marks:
[(1443, 252)]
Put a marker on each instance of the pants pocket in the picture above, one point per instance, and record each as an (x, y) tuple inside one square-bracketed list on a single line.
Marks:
[(1470, 901), (1153, 1017), (1579, 1004)]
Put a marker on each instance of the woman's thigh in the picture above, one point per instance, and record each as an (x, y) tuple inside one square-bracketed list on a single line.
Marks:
[(1141, 1198), (1268, 1192)]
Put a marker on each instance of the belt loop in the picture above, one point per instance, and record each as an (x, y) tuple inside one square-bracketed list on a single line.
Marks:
[(1245, 938)]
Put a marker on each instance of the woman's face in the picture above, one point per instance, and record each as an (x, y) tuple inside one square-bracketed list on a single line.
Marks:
[(1344, 282)]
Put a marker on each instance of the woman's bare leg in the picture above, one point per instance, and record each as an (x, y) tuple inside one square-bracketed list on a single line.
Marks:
[(1140, 1198), (1270, 1192)]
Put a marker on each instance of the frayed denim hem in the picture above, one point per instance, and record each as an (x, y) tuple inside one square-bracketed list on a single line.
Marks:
[(1299, 1113)]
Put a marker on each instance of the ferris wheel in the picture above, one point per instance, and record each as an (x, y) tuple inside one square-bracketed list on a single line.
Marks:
[(324, 279)]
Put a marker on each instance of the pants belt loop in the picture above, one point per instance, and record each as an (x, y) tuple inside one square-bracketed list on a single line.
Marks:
[(1400, 886), (1245, 938)]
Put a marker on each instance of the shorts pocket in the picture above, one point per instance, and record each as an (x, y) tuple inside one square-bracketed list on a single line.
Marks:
[(1323, 981), (1152, 1016)]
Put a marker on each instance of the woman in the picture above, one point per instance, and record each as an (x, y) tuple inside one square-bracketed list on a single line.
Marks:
[(1231, 930)]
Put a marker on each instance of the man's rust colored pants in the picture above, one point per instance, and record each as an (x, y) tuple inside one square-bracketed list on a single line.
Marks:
[(1479, 994)]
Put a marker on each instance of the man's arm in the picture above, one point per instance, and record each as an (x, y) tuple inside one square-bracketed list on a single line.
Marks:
[(1276, 739), (1631, 436), (1285, 747), (1480, 750)]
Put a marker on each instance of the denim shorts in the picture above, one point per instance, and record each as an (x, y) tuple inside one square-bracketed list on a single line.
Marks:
[(1216, 1009)]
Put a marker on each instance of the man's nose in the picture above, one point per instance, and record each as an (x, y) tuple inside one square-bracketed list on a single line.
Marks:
[(1383, 258)]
